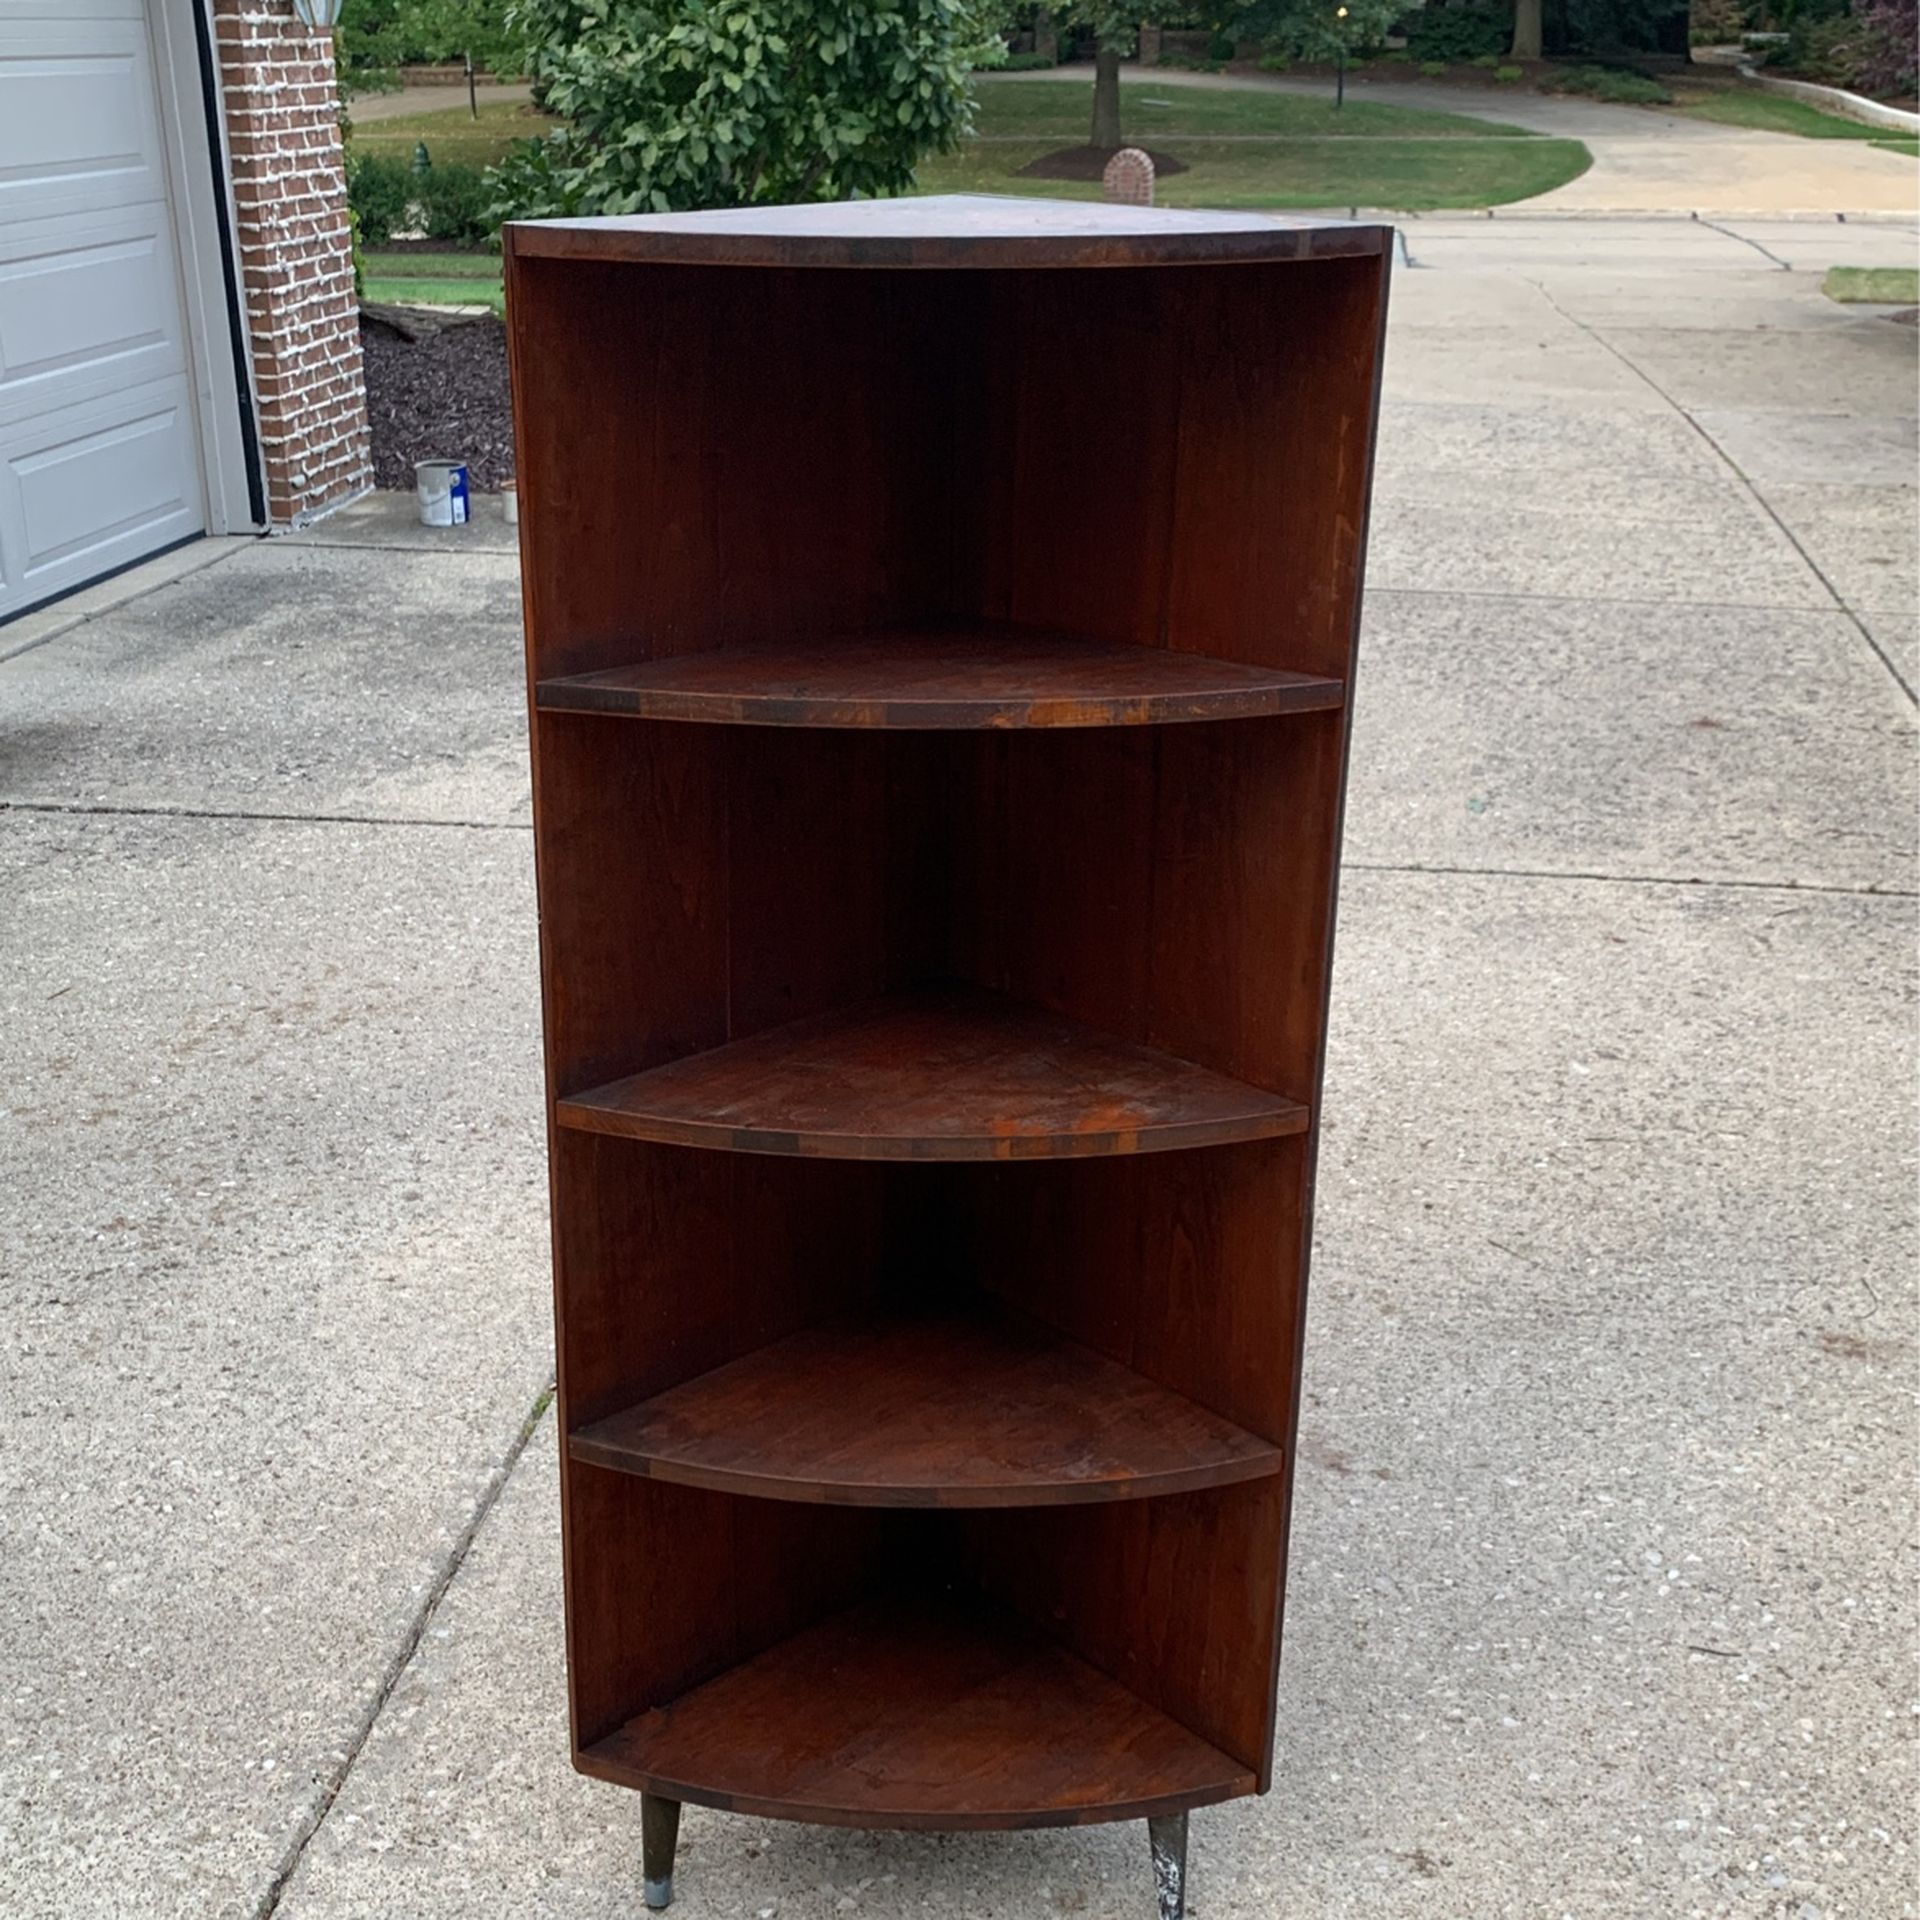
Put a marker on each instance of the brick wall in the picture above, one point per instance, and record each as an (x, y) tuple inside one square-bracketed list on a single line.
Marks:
[(296, 259)]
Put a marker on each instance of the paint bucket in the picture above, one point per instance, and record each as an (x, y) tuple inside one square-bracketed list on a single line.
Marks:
[(440, 486), (510, 500)]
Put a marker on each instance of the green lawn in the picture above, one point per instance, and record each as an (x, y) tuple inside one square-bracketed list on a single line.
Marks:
[(434, 279), (1911, 148), (1244, 149), (1772, 113), (1062, 111), (453, 133), (1873, 286), (1259, 149)]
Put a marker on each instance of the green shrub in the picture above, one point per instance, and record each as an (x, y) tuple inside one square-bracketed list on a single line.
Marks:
[(1460, 33), (454, 203), (379, 192), (1022, 63), (1487, 60), (1615, 85), (1433, 69), (1274, 63), (1507, 75), (1190, 63), (674, 104)]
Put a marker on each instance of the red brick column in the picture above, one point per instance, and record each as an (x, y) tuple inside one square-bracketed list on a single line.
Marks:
[(296, 257)]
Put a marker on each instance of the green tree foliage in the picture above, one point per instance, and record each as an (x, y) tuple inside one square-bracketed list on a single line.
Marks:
[(1310, 30), (376, 36), (673, 104), (1460, 32)]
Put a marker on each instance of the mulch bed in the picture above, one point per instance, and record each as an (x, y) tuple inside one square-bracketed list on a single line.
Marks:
[(1090, 163), (441, 395)]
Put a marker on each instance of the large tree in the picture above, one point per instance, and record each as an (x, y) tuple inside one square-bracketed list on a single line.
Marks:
[(1526, 30), (671, 104)]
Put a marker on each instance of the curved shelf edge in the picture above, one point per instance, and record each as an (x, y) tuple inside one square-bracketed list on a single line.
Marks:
[(941, 1074), (960, 1410), (919, 1713), (982, 676)]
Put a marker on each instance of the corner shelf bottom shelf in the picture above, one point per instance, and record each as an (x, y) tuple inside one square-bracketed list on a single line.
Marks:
[(919, 1710)]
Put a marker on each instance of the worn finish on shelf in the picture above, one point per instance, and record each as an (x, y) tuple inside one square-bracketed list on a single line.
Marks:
[(952, 1410), (920, 1710), (941, 1074), (982, 676)]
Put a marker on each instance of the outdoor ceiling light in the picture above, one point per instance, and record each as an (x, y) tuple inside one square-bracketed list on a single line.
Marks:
[(321, 15)]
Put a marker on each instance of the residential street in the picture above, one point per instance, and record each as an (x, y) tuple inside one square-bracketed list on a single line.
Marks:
[(1602, 1584)]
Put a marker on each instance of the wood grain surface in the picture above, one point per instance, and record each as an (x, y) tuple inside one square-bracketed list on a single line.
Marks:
[(941, 1074), (955, 1410), (919, 1710)]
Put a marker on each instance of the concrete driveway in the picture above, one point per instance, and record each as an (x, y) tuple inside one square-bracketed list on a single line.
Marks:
[(1602, 1592)]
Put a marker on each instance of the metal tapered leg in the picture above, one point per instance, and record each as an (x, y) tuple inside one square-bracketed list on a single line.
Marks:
[(659, 1832), (1167, 1839)]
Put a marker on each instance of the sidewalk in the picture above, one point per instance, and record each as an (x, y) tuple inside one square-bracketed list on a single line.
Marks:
[(1601, 1597)]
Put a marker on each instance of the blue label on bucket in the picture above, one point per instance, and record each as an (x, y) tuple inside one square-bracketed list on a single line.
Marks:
[(457, 495)]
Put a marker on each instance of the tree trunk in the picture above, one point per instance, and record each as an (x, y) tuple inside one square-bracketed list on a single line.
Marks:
[(1106, 96), (1526, 29)]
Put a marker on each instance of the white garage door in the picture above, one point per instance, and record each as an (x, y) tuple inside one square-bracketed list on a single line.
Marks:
[(99, 455)]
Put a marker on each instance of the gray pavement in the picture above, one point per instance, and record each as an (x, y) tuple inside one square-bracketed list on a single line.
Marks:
[(1602, 1589)]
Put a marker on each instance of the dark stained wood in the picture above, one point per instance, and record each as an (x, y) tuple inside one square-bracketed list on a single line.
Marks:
[(946, 230), (1173, 1598), (972, 913), (957, 1410), (982, 676), (919, 1711), (944, 1074)]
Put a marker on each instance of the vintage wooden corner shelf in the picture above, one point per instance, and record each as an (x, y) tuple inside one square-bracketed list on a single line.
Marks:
[(940, 616)]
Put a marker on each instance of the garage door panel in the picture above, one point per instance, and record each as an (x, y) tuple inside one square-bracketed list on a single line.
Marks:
[(99, 444), (63, 316), (97, 483), (78, 125)]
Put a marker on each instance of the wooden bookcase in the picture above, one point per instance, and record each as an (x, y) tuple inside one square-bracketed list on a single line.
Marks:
[(939, 621)]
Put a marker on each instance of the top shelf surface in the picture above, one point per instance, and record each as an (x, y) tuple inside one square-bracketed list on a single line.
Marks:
[(947, 230)]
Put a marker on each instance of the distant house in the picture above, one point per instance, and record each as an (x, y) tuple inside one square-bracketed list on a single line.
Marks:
[(179, 340)]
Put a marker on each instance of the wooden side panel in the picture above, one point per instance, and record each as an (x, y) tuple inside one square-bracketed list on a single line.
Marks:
[(1278, 373), (668, 1586), (1245, 834), (699, 884), (1179, 1265), (1175, 1598), (1084, 493), (708, 457)]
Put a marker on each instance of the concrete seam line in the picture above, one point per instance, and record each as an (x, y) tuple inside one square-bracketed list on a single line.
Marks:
[(1587, 876), (79, 810), (1783, 265), (269, 1902), (1610, 600), (1759, 499)]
